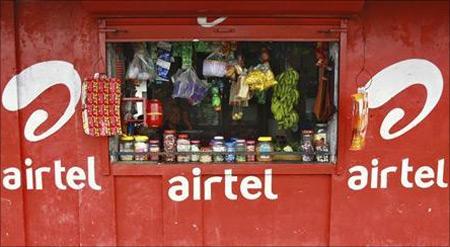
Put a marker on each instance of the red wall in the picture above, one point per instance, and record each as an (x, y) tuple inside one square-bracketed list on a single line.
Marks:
[(311, 209)]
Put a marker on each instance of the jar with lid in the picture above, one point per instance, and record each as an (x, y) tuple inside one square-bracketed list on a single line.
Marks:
[(240, 150), (141, 148), (205, 155), (170, 145), (320, 134), (264, 148), (183, 145), (126, 145), (251, 148), (230, 147), (306, 146), (219, 147), (195, 149), (320, 142), (154, 150)]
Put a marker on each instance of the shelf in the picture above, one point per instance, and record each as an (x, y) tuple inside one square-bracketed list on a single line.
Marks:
[(133, 99), (148, 168)]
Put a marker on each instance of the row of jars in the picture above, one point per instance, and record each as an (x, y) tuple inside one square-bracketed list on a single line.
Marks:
[(178, 148)]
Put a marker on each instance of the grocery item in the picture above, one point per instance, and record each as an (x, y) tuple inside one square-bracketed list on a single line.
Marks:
[(215, 101), (218, 146), (214, 65), (260, 78), (164, 60), (154, 113), (322, 153), (187, 85), (230, 149), (285, 98), (205, 155), (307, 146), (101, 106), (183, 145), (154, 150), (264, 149), (360, 119), (323, 106), (126, 145), (195, 149), (141, 67), (240, 149), (320, 134), (141, 148), (251, 148), (170, 145)]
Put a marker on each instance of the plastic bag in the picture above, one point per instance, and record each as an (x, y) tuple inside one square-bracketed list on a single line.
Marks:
[(360, 119), (141, 67), (214, 65), (260, 78), (187, 85), (164, 60)]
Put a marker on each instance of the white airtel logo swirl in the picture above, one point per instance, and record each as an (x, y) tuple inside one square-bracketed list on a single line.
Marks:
[(25, 87), (395, 78)]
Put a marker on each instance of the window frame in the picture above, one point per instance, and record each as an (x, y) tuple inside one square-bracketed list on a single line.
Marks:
[(113, 30)]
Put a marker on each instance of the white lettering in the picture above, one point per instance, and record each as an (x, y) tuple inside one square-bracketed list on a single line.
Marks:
[(357, 182), (74, 174), (179, 192), (12, 181), (248, 183)]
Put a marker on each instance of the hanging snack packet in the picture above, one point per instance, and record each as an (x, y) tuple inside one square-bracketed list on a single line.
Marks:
[(214, 65), (360, 119), (164, 61)]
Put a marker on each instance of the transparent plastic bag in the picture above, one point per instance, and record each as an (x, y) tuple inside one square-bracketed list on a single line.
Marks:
[(360, 119), (187, 85), (214, 65), (141, 67)]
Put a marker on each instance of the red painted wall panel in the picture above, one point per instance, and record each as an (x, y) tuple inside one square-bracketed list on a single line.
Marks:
[(397, 216), (139, 210), (311, 210)]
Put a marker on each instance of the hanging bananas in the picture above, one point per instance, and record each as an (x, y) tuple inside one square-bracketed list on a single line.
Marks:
[(284, 99)]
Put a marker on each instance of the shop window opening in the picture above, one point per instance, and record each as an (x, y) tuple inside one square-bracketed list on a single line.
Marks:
[(226, 102)]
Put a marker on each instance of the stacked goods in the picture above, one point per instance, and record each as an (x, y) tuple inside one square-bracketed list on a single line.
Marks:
[(285, 98)]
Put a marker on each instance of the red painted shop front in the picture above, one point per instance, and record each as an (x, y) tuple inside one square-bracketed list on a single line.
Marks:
[(315, 204)]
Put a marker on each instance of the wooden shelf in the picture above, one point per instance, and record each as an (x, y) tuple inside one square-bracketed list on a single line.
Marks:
[(143, 168)]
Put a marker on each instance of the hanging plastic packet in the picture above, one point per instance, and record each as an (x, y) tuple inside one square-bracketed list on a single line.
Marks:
[(186, 55), (187, 85), (164, 61), (214, 65), (141, 67), (360, 119)]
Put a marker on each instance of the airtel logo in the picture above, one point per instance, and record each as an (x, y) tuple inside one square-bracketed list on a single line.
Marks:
[(25, 87), (31, 82)]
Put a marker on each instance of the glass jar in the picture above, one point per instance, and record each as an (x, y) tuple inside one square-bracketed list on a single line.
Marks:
[(126, 145), (183, 145), (320, 134), (195, 148), (264, 149), (170, 145), (320, 142), (219, 147), (205, 155), (306, 146), (141, 148), (240, 150), (251, 147), (231, 151), (154, 150)]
